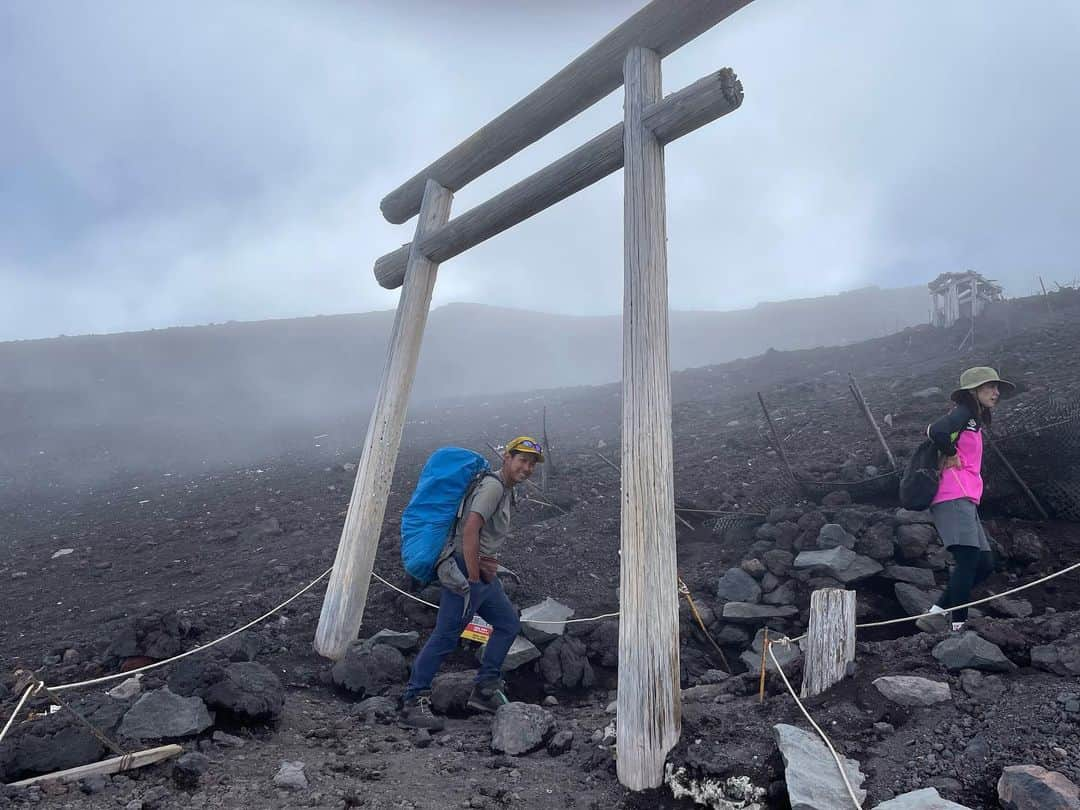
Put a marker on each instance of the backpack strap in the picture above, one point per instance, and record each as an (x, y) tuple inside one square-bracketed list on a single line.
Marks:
[(448, 550)]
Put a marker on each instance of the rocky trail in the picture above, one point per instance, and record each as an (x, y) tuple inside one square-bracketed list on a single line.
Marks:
[(121, 572)]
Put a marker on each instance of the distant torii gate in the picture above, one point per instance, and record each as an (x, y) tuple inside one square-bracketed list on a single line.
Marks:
[(649, 709)]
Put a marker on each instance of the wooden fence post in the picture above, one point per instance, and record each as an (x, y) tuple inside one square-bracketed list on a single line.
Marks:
[(830, 639), (343, 606), (649, 708)]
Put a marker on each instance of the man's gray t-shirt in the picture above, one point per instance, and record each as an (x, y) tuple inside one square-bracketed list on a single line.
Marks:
[(491, 500)]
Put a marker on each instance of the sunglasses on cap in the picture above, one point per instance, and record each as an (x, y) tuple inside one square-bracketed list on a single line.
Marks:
[(528, 444)]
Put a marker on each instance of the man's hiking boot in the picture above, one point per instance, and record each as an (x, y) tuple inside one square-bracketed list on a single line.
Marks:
[(936, 622), (416, 713), (487, 697)]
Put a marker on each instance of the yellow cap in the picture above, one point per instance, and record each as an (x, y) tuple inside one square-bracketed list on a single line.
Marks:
[(526, 444)]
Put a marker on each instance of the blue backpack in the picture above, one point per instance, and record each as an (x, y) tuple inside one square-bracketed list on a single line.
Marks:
[(448, 477)]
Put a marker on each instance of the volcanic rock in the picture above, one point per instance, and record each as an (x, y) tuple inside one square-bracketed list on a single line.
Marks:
[(519, 728), (1029, 787), (368, 670), (908, 690), (249, 691), (564, 664), (737, 586), (163, 715), (970, 651)]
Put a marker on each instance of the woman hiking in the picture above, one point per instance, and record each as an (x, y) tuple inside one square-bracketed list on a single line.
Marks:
[(958, 437)]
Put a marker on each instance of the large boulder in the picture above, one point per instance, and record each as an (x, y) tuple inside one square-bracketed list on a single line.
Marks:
[(248, 691), (971, 651), (164, 715), (737, 586), (450, 692), (519, 728), (908, 690), (813, 780), (925, 799), (367, 670), (1029, 787), (913, 540), (565, 665)]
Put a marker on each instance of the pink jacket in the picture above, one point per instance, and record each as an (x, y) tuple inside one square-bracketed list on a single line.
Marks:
[(965, 482)]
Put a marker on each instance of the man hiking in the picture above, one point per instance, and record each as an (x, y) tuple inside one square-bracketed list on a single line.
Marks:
[(470, 585)]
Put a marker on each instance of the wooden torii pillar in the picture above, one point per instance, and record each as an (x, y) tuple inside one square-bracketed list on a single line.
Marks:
[(649, 695)]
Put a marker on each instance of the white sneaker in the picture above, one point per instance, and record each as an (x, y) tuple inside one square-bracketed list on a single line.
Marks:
[(936, 622)]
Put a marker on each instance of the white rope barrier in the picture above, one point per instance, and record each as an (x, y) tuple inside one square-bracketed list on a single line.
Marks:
[(199, 649)]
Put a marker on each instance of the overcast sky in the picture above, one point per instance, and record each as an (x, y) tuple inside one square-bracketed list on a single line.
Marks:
[(168, 164)]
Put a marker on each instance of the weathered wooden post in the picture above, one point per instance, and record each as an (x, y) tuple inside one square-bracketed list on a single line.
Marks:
[(649, 709), (343, 606), (830, 639)]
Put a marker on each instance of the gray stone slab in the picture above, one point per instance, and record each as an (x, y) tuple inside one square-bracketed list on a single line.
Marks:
[(813, 780), (925, 799), (745, 613), (909, 690), (550, 610)]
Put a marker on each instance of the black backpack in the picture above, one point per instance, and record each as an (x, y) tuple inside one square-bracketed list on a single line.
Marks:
[(919, 484)]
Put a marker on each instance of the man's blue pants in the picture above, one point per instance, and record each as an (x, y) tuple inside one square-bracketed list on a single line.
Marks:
[(489, 600)]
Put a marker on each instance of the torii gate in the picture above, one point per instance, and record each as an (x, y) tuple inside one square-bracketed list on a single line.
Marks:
[(649, 709)]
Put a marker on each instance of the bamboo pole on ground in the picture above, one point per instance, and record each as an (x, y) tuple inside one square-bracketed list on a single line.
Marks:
[(776, 438), (861, 400), (830, 639), (1016, 477), (649, 709), (346, 593)]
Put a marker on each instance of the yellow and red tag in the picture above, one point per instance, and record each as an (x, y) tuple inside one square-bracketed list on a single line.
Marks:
[(477, 630)]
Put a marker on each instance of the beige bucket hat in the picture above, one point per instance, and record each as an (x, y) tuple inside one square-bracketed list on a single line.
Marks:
[(972, 378)]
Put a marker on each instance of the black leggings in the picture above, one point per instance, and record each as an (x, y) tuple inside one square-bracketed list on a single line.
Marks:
[(972, 567)]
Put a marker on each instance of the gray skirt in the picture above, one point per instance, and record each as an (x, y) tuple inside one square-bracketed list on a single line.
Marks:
[(958, 524)]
